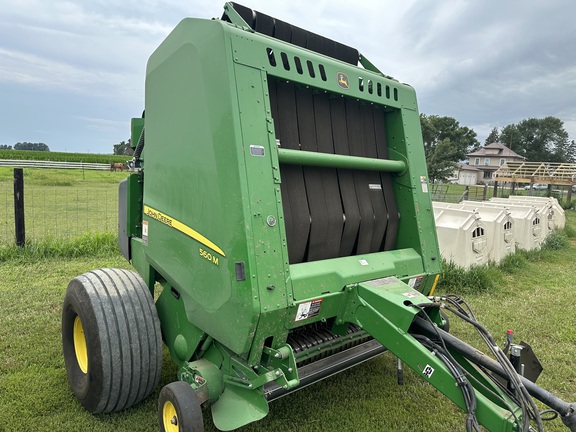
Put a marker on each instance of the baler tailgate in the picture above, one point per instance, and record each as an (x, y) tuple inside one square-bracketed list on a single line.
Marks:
[(332, 212)]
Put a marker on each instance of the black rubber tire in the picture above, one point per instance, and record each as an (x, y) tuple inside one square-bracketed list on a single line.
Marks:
[(121, 336), (181, 400)]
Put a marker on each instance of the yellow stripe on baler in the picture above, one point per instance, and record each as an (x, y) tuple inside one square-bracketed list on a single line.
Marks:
[(185, 229), (434, 285)]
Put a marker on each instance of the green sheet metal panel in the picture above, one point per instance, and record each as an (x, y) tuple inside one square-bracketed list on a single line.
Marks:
[(195, 188)]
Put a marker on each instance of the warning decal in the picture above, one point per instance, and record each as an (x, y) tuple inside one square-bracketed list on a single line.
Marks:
[(428, 371), (424, 183), (145, 233), (308, 310), (416, 282)]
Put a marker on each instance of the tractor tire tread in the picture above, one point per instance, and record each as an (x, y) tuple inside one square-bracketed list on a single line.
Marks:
[(120, 314)]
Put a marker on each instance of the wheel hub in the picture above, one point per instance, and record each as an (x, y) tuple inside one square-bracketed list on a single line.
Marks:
[(80, 345), (170, 417)]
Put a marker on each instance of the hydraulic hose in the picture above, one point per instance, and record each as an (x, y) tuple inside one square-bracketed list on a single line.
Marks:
[(566, 410)]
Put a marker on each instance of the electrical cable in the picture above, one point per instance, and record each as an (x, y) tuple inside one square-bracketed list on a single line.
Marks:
[(520, 395), (554, 414), (468, 393), (527, 403), (529, 410)]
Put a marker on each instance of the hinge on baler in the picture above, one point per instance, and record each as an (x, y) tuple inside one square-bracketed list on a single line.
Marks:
[(278, 365), (235, 18)]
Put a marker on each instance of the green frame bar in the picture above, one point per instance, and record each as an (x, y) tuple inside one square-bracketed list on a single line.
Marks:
[(329, 160)]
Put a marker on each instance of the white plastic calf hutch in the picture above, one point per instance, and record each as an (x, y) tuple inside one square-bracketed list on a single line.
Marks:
[(461, 237), (558, 217), (544, 209), (499, 227), (526, 226)]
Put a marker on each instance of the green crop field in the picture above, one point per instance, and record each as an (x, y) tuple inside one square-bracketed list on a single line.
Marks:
[(61, 156)]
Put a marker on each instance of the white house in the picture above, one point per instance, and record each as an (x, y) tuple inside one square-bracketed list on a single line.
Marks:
[(491, 157), (465, 174)]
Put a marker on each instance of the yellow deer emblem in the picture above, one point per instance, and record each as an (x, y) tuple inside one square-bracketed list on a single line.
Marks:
[(343, 81)]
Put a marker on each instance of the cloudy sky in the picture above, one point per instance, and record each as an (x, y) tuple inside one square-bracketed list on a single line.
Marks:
[(72, 72)]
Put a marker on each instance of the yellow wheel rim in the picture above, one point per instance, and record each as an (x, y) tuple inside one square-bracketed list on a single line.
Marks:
[(80, 345), (169, 417)]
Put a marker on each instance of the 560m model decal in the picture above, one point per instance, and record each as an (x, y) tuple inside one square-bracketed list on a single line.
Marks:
[(171, 222)]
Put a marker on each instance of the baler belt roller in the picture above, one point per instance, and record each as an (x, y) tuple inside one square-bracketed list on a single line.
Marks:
[(286, 32), (326, 367), (316, 341), (304, 158)]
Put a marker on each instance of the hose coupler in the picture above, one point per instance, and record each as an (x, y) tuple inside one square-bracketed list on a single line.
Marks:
[(570, 419)]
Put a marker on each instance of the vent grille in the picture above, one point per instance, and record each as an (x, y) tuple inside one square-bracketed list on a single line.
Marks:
[(289, 63)]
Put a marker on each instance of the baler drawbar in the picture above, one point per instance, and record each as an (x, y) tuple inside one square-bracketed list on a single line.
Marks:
[(278, 218)]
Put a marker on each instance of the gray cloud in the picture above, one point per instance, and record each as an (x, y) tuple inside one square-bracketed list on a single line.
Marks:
[(491, 66), (487, 63)]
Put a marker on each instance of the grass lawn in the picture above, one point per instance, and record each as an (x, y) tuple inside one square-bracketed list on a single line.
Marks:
[(34, 387), (535, 299)]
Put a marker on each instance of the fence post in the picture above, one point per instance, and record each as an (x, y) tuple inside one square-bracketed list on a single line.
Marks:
[(20, 229)]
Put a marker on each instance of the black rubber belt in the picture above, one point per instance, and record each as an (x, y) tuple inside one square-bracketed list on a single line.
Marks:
[(315, 193), (293, 188), (286, 32), (329, 212), (335, 213), (375, 189), (361, 178), (264, 24), (345, 178), (283, 31), (388, 188)]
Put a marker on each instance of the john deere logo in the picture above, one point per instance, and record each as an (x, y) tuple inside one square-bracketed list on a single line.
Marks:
[(343, 81)]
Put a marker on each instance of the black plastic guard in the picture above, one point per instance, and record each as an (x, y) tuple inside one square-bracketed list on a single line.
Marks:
[(286, 32)]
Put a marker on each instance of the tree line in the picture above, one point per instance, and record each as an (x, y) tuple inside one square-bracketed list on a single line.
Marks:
[(26, 146), (123, 148), (446, 142)]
